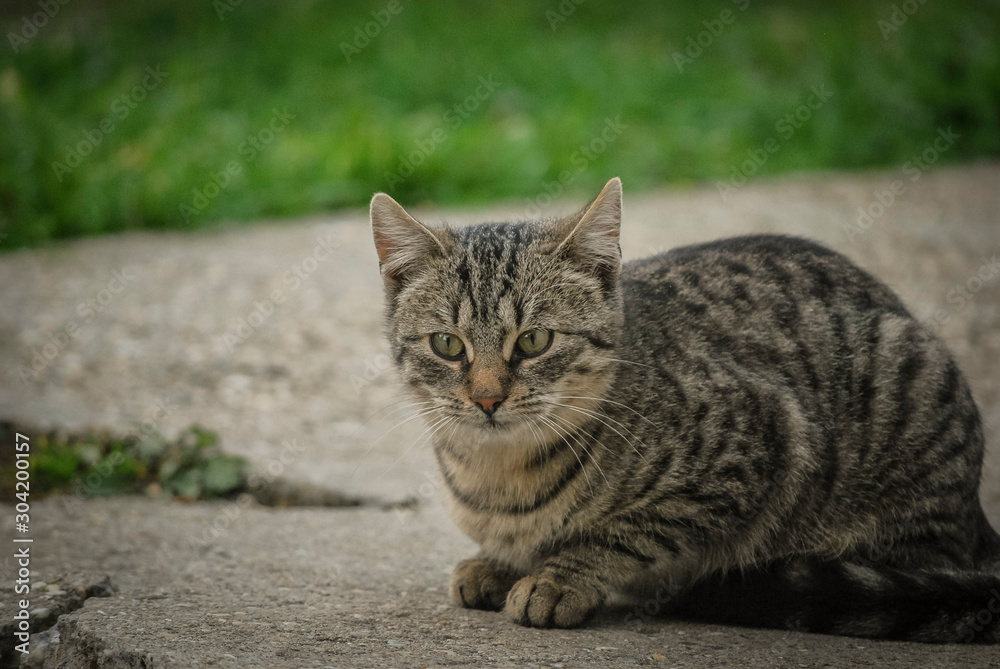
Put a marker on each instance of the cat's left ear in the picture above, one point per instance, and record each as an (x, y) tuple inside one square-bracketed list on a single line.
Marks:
[(404, 244), (592, 235)]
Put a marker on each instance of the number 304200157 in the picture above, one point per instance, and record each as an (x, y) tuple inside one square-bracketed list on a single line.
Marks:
[(22, 451)]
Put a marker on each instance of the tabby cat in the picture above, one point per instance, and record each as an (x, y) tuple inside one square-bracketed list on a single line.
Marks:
[(755, 421)]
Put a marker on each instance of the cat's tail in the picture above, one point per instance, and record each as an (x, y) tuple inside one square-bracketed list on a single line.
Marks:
[(854, 600)]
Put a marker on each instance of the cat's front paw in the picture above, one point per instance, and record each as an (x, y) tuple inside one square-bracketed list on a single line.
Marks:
[(539, 601), (481, 584)]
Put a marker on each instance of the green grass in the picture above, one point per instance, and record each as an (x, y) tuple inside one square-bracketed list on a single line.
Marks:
[(355, 123)]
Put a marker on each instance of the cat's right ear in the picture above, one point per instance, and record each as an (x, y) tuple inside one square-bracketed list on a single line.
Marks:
[(403, 243)]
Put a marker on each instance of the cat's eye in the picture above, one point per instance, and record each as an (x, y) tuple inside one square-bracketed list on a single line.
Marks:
[(448, 346), (534, 342)]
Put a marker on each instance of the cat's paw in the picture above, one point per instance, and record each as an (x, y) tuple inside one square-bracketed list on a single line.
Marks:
[(538, 601), (481, 584)]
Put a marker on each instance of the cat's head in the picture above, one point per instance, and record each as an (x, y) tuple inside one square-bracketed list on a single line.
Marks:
[(504, 332)]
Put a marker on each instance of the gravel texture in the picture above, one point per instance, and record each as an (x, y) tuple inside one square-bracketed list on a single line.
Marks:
[(270, 335)]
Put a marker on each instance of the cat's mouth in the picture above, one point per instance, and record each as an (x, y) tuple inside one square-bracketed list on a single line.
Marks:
[(491, 423)]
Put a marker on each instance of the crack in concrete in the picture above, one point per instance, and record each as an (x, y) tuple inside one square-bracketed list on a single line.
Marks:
[(57, 598)]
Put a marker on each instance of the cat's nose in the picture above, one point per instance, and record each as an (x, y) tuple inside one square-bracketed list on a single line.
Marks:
[(488, 404)]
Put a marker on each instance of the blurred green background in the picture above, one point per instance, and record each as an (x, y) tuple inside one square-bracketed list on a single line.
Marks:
[(93, 143)]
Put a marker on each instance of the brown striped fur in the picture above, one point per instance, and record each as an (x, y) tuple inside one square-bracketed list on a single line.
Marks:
[(755, 421)]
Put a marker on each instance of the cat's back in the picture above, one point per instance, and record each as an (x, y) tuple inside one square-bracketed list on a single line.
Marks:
[(772, 306), (750, 272), (721, 329)]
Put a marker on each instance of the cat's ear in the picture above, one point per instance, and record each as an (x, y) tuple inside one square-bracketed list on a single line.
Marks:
[(592, 235), (403, 243)]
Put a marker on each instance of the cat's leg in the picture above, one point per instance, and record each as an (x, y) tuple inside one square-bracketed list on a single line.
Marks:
[(963, 541), (849, 599), (481, 583), (573, 583)]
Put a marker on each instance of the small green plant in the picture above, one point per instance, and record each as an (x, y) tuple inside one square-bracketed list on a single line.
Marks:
[(190, 467)]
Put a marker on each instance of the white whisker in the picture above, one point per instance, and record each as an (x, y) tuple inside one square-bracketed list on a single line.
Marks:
[(420, 413), (629, 362), (559, 433), (553, 417), (601, 418), (602, 399), (432, 429)]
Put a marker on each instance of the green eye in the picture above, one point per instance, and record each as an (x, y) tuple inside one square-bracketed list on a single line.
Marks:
[(446, 345), (534, 342)]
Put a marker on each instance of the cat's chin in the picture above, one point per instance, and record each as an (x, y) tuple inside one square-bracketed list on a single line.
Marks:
[(507, 433)]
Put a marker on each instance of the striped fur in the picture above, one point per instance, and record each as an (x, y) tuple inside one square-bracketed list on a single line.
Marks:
[(755, 420)]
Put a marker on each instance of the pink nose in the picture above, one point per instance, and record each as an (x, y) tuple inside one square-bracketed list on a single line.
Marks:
[(488, 404)]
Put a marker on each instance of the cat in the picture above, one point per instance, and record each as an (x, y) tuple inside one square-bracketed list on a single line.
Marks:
[(755, 421)]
